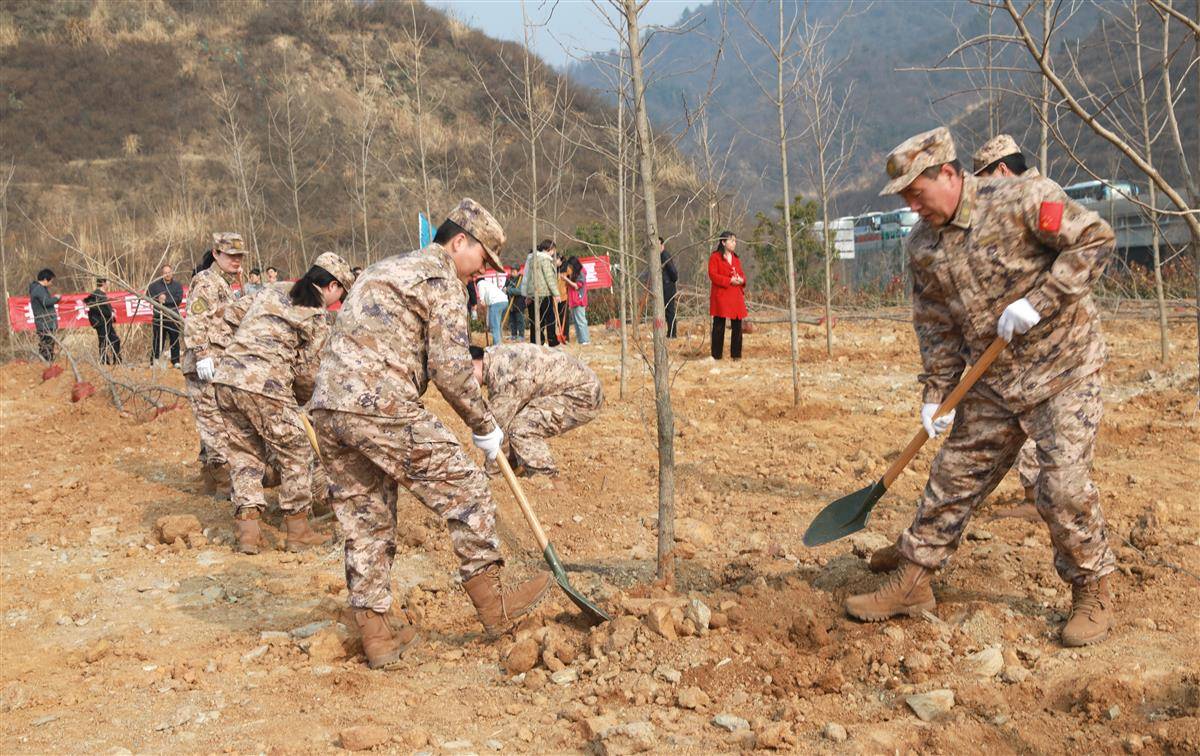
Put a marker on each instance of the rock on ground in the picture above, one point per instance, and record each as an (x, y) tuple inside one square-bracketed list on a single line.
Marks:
[(363, 737), (931, 705)]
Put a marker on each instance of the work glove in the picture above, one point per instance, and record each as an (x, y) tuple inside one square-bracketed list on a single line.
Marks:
[(206, 369), (938, 426), (1017, 319), (489, 443)]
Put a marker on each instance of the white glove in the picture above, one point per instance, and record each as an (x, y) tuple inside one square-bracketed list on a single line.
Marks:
[(935, 427), (1017, 318), (206, 369), (489, 443)]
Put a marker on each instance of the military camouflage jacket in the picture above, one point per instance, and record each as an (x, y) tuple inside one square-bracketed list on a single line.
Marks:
[(1010, 238), (403, 324), (204, 332), (518, 373), (275, 351)]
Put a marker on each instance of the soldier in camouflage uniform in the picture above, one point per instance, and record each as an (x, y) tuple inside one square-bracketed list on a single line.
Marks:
[(205, 335), (265, 374), (999, 157), (1013, 258), (404, 324), (536, 392)]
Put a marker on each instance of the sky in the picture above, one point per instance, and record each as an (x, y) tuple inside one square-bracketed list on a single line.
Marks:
[(574, 27)]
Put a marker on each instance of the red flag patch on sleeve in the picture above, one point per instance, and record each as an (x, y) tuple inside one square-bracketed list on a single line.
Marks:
[(1050, 216)]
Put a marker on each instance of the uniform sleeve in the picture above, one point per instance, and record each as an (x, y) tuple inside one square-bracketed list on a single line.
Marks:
[(1083, 241), (204, 314), (449, 356), (714, 271), (231, 316), (938, 337), (308, 358)]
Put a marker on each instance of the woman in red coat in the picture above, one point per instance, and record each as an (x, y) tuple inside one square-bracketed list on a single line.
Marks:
[(727, 299)]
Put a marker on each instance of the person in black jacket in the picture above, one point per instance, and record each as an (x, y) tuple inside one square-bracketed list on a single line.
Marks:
[(167, 292), (670, 277), (101, 318), (45, 317)]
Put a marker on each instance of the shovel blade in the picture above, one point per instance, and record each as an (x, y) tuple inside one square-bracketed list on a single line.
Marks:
[(594, 613), (845, 516)]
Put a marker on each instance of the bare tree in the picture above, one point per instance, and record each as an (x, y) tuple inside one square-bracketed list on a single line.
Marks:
[(630, 10), (417, 39), (830, 136), (6, 175), (783, 52), (359, 148), (243, 161), (291, 122)]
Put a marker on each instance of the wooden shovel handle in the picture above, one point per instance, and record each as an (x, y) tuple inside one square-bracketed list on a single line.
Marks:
[(947, 405), (312, 434), (527, 510)]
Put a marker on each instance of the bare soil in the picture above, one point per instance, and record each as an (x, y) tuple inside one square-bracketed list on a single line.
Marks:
[(112, 642)]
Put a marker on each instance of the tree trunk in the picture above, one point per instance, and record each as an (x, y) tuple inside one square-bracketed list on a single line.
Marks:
[(662, 377), (622, 250), (1147, 139), (1044, 134), (787, 216), (533, 199)]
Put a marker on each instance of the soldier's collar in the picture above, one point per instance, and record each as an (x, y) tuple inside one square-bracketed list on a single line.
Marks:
[(966, 202)]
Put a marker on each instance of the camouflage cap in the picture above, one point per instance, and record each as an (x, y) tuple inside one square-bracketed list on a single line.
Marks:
[(229, 242), (477, 222), (1001, 145), (906, 161), (337, 267)]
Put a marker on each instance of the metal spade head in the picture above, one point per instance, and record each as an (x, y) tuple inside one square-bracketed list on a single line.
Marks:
[(845, 516), (593, 612)]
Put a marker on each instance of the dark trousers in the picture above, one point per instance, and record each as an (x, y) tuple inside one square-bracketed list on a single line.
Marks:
[(516, 317), (718, 338), (669, 296), (46, 345), (109, 344), (546, 311), (166, 331)]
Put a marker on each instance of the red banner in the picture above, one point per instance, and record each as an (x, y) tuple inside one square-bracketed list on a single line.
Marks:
[(72, 312), (599, 275)]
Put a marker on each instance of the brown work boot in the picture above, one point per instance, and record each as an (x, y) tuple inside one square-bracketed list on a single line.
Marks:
[(1091, 613), (885, 559), (300, 534), (247, 531), (907, 591), (499, 609), (382, 643)]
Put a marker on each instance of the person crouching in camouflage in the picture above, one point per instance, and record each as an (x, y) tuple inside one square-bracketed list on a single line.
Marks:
[(266, 373), (1013, 258), (404, 324), (204, 337), (536, 392)]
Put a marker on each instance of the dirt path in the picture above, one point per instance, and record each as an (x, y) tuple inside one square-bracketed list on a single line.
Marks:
[(114, 643)]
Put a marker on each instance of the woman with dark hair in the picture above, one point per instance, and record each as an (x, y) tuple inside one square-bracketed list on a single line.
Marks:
[(205, 334), (577, 299), (265, 375), (727, 299)]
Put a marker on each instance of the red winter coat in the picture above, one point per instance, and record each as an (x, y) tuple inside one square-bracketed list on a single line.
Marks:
[(725, 300)]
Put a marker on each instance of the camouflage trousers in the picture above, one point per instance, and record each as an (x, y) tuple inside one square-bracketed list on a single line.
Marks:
[(209, 424), (980, 449), (1027, 464), (263, 430), (365, 458), (548, 416)]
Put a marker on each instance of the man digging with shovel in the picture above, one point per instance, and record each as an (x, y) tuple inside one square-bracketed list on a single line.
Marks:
[(1015, 258)]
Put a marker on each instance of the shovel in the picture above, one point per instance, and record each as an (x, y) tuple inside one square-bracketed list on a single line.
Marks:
[(590, 610), (849, 514), (312, 434)]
